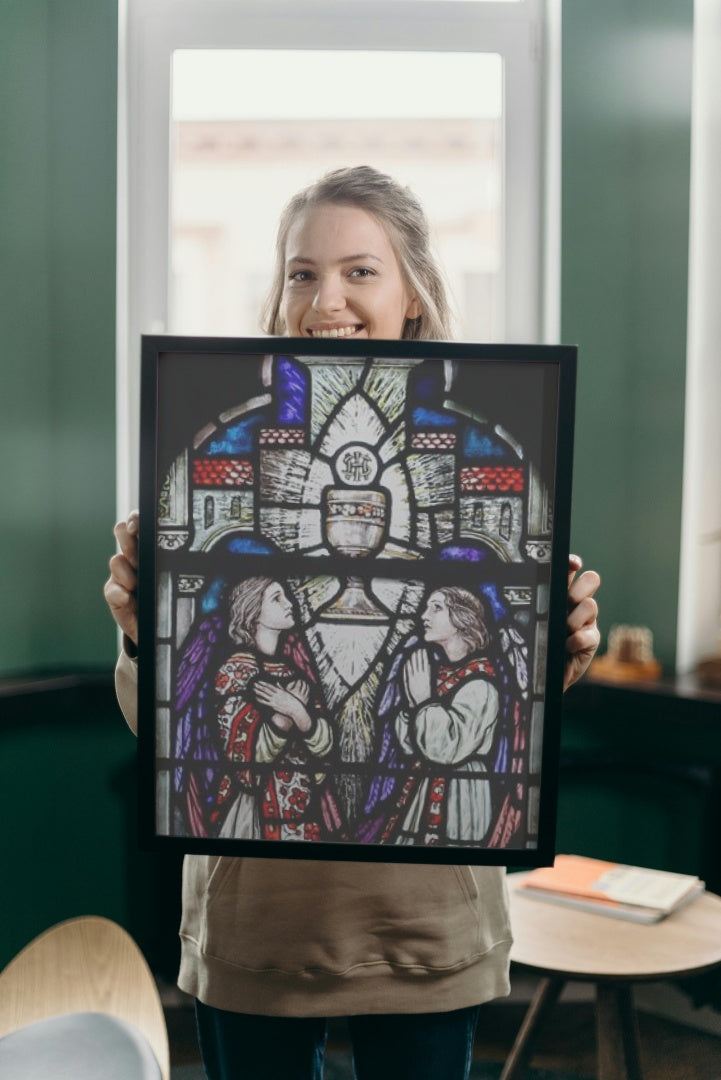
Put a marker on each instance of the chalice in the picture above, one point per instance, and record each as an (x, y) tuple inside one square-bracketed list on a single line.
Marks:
[(355, 525)]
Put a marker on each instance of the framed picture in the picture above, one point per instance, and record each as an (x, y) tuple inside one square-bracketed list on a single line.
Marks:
[(352, 593)]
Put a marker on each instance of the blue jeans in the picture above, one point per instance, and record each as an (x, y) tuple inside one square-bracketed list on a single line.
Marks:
[(406, 1046)]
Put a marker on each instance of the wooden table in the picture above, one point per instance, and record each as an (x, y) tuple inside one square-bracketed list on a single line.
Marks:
[(563, 944)]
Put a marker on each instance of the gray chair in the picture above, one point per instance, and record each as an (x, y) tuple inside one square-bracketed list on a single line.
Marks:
[(80, 1002)]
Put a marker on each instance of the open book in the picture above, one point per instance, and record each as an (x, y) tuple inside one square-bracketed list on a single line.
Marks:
[(608, 888)]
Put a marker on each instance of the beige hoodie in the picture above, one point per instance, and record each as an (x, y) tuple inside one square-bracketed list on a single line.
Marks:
[(286, 937)]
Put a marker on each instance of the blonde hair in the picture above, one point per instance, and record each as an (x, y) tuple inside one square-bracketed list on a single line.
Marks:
[(402, 216)]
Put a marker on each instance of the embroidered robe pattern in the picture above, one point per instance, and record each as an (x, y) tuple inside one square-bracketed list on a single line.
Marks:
[(444, 797), (274, 790)]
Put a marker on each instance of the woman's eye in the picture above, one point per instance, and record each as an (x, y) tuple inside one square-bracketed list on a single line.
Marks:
[(300, 275), (362, 272)]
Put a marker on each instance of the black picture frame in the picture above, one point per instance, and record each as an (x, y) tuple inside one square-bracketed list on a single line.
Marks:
[(315, 515)]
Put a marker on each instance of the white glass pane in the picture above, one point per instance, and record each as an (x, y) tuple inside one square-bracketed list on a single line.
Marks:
[(250, 128)]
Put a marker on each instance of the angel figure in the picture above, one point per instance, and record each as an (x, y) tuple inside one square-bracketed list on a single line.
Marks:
[(266, 738), (442, 707)]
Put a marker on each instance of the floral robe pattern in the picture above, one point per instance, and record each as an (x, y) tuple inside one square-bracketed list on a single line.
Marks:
[(444, 798), (275, 789)]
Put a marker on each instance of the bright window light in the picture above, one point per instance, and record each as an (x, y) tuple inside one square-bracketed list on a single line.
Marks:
[(215, 84), (251, 127)]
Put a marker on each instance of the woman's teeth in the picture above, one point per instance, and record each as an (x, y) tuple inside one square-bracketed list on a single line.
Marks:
[(336, 332)]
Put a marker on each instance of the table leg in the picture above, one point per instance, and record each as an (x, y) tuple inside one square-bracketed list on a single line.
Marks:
[(545, 997), (617, 1033)]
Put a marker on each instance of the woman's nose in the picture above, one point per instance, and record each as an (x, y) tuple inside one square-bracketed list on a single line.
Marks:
[(329, 296)]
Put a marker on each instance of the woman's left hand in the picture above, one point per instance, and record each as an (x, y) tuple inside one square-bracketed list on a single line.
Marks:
[(583, 635)]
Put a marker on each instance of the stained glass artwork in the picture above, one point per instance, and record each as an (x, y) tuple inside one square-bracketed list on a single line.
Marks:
[(352, 597)]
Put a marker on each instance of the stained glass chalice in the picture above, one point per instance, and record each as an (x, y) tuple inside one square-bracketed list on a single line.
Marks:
[(355, 525)]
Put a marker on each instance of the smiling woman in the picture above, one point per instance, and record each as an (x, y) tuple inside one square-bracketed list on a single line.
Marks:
[(331, 292), (216, 138), (353, 260)]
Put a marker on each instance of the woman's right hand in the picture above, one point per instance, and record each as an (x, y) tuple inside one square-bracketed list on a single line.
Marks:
[(121, 587)]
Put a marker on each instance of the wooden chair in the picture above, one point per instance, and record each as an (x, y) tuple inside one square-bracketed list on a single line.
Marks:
[(83, 970)]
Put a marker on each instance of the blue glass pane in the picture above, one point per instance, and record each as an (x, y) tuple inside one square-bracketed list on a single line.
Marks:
[(430, 418), (478, 444), (464, 554), (292, 382), (213, 595), (492, 595), (249, 546), (428, 385), (239, 438)]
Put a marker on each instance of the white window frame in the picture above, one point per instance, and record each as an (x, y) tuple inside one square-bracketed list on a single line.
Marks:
[(699, 602), (526, 34)]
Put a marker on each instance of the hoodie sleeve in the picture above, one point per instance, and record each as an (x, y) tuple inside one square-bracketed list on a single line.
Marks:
[(126, 688)]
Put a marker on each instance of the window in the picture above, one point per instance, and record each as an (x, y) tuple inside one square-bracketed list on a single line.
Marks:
[(236, 157), (450, 96)]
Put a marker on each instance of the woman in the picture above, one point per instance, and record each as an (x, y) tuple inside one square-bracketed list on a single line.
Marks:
[(268, 723), (272, 948)]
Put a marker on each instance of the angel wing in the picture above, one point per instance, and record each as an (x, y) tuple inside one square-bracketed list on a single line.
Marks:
[(390, 759), (511, 757), (197, 746), (296, 650)]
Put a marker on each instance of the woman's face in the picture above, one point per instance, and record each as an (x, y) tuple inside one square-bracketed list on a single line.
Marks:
[(342, 277), (436, 619), (276, 610)]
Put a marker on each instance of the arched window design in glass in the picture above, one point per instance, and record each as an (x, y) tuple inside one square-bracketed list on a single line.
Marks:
[(366, 464)]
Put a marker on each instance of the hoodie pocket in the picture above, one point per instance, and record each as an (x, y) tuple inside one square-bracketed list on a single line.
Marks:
[(305, 916), (333, 917), (468, 884)]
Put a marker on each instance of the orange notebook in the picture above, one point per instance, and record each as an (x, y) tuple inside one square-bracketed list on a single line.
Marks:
[(631, 892)]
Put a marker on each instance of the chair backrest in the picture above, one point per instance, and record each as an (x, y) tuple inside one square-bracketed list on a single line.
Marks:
[(88, 964)]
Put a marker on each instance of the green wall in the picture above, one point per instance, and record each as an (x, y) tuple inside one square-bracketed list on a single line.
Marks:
[(58, 74), (626, 145)]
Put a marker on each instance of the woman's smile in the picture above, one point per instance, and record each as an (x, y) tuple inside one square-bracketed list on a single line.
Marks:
[(335, 331), (342, 277)]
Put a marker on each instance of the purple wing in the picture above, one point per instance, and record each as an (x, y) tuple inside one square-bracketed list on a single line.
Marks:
[(390, 759), (197, 747), (511, 756)]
